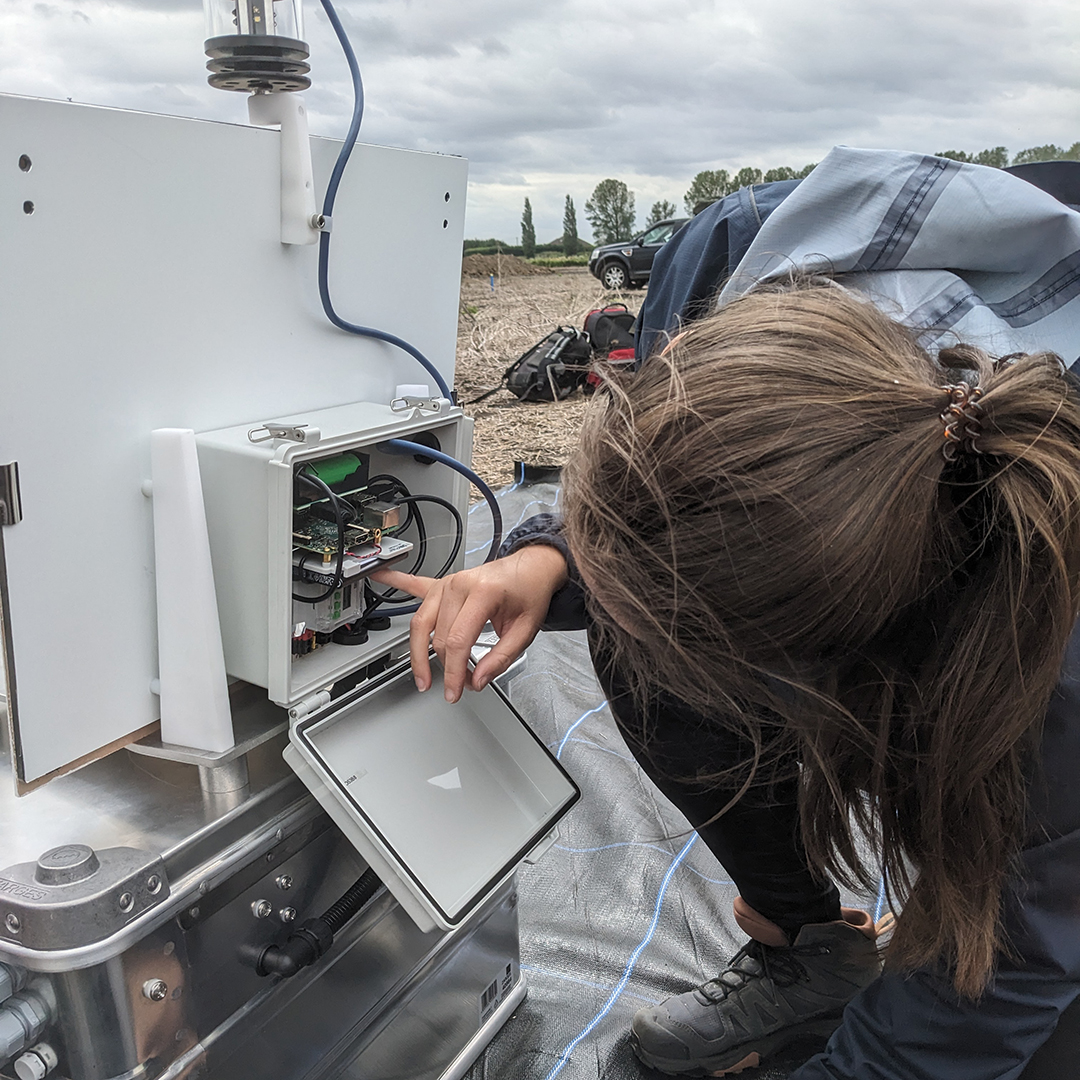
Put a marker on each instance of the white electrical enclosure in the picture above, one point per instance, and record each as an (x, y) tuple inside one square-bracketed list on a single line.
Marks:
[(143, 285), (443, 801), (248, 489)]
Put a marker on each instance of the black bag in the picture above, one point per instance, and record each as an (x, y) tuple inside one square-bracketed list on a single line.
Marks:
[(610, 328), (549, 371)]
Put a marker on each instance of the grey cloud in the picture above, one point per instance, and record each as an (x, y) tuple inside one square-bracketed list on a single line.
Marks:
[(582, 89)]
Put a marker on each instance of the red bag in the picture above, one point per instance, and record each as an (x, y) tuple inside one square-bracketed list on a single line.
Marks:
[(610, 327), (618, 357)]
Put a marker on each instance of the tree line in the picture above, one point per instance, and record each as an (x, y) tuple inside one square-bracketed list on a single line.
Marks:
[(611, 213)]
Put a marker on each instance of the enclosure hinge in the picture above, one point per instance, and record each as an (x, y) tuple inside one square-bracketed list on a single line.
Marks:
[(10, 499), (310, 704)]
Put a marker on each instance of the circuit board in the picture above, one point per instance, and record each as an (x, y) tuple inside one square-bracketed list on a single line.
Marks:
[(315, 534)]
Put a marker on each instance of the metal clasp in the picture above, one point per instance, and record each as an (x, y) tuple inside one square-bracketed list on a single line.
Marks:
[(297, 433), (433, 405)]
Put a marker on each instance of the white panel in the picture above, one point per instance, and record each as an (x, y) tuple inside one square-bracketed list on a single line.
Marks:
[(149, 289)]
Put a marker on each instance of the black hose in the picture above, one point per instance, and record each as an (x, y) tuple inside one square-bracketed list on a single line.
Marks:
[(340, 913), (315, 936)]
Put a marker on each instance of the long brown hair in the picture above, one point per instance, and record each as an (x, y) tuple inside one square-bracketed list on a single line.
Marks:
[(772, 532)]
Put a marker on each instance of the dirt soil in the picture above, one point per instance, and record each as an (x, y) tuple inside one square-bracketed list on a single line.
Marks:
[(494, 329)]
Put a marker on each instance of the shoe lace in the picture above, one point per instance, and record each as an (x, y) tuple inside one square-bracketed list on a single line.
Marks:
[(781, 964)]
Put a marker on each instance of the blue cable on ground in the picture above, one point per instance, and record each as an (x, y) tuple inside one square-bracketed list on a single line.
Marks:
[(573, 727), (880, 899), (328, 210), (616, 993)]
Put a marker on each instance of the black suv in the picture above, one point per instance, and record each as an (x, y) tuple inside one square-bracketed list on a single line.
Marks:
[(629, 262)]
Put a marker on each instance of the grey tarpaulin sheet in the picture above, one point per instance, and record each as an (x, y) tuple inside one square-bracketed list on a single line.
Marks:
[(629, 907)]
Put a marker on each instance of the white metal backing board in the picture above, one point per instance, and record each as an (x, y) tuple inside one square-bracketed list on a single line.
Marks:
[(148, 288)]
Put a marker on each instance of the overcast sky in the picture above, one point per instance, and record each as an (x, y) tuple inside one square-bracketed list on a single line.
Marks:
[(548, 97)]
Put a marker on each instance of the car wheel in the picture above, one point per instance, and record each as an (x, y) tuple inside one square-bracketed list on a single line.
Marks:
[(614, 277)]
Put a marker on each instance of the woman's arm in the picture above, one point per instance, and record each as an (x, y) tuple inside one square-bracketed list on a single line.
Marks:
[(512, 593)]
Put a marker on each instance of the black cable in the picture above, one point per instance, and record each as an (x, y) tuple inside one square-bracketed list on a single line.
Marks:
[(339, 573), (382, 598), (315, 936)]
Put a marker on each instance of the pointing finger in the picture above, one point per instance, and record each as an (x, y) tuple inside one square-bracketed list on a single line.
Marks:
[(410, 583)]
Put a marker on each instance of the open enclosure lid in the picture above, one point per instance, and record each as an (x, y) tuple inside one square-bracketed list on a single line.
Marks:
[(444, 801)]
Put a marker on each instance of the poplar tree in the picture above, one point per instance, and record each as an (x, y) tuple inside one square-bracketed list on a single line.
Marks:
[(570, 242), (528, 232)]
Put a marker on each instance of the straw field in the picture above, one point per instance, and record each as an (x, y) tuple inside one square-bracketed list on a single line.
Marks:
[(495, 327)]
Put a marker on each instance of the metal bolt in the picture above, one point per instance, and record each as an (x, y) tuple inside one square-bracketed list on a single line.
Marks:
[(283, 881), (127, 902), (287, 914), (262, 909), (193, 912), (269, 856), (13, 924), (153, 884), (155, 989)]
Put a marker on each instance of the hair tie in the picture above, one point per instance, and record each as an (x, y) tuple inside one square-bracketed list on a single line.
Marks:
[(961, 420)]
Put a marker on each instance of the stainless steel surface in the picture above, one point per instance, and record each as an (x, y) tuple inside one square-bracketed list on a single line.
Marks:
[(174, 994), (262, 909), (437, 1022), (223, 778), (386, 1002), (72, 896), (256, 720), (157, 806), (475, 1046)]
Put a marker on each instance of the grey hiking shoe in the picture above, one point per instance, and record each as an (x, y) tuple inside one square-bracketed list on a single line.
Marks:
[(768, 996)]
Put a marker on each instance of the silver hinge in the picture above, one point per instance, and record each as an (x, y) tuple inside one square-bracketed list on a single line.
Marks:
[(310, 704), (10, 499), (298, 433)]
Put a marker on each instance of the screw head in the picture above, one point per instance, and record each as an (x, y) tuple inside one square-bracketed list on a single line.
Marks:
[(155, 989), (287, 914), (153, 884), (262, 909), (126, 901), (283, 881), (13, 923)]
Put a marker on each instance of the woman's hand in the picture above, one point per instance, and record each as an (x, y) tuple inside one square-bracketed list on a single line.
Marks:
[(513, 594)]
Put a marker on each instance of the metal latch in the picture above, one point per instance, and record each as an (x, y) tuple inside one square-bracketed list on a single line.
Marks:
[(433, 405), (298, 433), (10, 499)]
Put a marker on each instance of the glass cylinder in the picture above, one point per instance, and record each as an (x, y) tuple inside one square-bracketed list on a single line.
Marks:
[(256, 45)]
